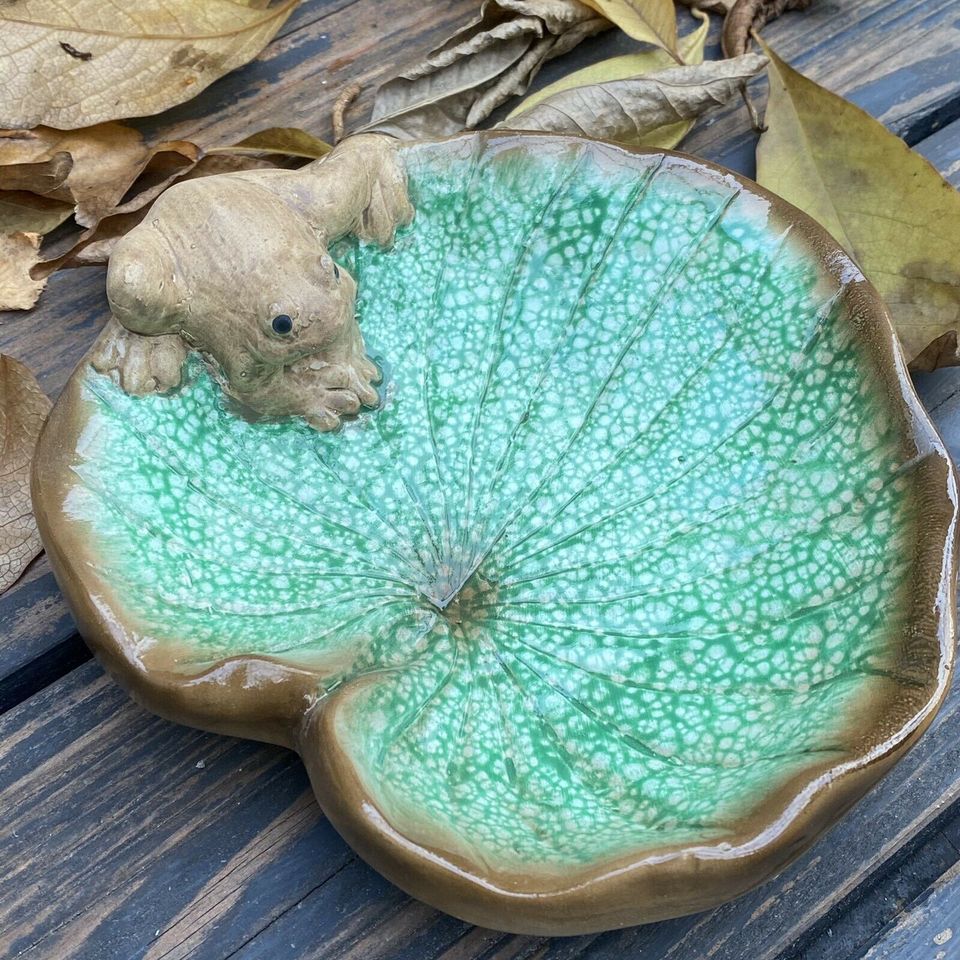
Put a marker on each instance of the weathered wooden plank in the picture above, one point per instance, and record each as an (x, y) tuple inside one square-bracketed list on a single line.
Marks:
[(942, 149), (296, 79), (928, 931), (857, 921), (121, 846), (34, 617), (124, 835), (898, 60), (238, 867), (940, 392)]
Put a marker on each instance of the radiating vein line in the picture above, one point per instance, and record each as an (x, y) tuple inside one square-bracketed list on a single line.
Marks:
[(673, 535), (378, 513), (627, 739), (519, 263), (455, 764), (635, 197), (354, 672), (518, 752), (706, 364), (309, 641), (663, 487), (192, 483), (580, 772), (674, 271), (638, 745), (205, 557), (397, 735), (441, 284), (747, 630), (752, 691), (338, 628), (763, 550)]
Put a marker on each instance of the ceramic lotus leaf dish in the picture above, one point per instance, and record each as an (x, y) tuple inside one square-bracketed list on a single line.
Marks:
[(567, 508)]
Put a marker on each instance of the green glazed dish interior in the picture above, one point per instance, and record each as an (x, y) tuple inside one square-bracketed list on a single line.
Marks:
[(625, 550)]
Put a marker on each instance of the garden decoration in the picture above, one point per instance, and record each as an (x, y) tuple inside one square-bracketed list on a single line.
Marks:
[(567, 507)]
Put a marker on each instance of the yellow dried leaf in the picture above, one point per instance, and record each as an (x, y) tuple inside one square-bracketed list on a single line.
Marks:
[(18, 253), (288, 141), (104, 59), (23, 409), (652, 21), (493, 58), (22, 212), (632, 65), (888, 207)]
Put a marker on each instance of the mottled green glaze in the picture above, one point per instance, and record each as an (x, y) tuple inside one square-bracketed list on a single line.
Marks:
[(622, 550)]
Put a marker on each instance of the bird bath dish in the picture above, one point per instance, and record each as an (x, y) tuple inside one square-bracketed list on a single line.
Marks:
[(632, 572)]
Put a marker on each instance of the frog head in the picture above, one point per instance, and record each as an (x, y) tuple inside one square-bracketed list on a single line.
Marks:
[(243, 277)]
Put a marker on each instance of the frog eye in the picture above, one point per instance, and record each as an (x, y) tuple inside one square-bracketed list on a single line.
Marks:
[(282, 324), (336, 272)]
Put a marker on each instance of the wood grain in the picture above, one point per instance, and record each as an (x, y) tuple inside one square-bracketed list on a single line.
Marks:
[(930, 930), (130, 836)]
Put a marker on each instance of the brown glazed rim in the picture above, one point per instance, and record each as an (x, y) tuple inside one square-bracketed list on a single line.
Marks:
[(264, 699)]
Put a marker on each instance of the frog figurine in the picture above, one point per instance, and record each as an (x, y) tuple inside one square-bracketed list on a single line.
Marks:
[(237, 267)]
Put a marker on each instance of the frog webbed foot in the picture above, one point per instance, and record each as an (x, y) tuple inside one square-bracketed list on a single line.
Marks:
[(140, 364), (331, 391)]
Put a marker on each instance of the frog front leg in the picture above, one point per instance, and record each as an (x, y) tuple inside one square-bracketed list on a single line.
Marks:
[(319, 391), (139, 364)]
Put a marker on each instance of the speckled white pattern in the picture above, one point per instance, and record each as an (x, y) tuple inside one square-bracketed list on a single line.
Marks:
[(622, 547)]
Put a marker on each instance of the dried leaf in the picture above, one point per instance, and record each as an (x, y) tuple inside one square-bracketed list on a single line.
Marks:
[(37, 176), (103, 59), (631, 65), (651, 21), (887, 206), (18, 253), (23, 409), (289, 141), (635, 111), (747, 15), (467, 77), (102, 163), (22, 212)]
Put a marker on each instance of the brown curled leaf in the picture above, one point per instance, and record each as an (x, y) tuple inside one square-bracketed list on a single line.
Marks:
[(462, 81), (23, 410), (92, 168), (631, 65), (19, 252), (22, 212)]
